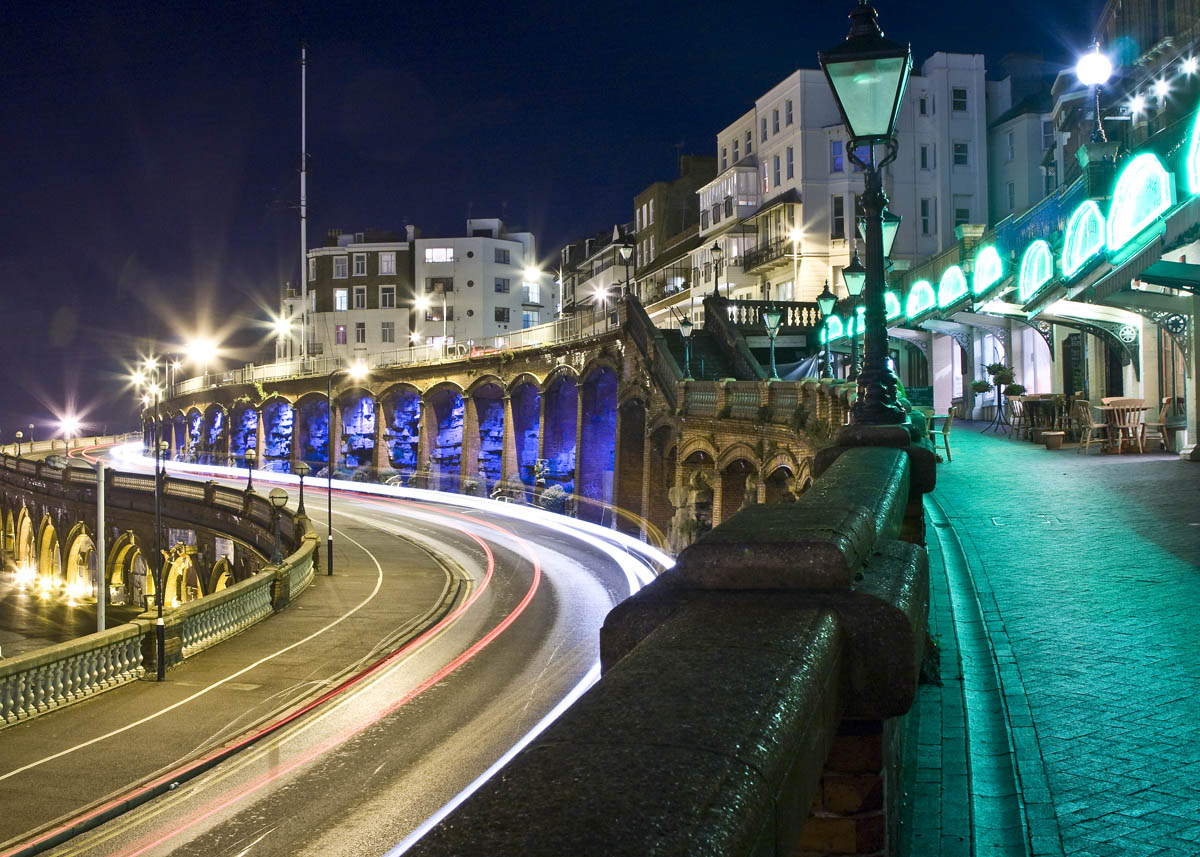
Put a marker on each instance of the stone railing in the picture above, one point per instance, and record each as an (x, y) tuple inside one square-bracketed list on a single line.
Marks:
[(653, 347), (754, 697), (819, 403), (729, 339)]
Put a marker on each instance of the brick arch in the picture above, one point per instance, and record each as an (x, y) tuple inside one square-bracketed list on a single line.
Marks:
[(560, 371), (49, 549), (783, 458), (128, 568), (598, 363), (357, 408), (521, 379), (25, 536), (484, 380), (77, 547), (737, 450)]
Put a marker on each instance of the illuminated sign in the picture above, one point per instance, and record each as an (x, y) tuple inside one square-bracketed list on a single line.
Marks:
[(1037, 269), (951, 287), (1192, 165), (891, 305), (988, 270), (920, 299), (1084, 238), (1143, 192), (834, 328)]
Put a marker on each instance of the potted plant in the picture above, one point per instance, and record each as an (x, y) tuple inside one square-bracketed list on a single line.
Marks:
[(1000, 373), (980, 387), (1014, 390)]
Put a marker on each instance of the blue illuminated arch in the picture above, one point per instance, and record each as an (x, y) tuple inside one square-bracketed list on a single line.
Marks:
[(920, 299), (1084, 237), (988, 270), (951, 287), (1037, 269), (1143, 192)]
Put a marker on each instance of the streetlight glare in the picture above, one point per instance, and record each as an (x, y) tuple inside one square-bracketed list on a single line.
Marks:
[(69, 425), (1190, 65), (357, 370), (1137, 104), (421, 303), (532, 274), (201, 350), (1162, 88), (795, 236), (138, 378), (1093, 68), (282, 326)]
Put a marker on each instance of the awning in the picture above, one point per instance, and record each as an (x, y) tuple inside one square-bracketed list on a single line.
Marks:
[(1173, 275), (1120, 277)]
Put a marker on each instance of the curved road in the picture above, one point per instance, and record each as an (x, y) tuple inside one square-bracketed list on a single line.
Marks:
[(360, 773)]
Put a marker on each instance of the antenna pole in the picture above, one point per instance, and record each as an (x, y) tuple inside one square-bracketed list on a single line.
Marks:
[(303, 200)]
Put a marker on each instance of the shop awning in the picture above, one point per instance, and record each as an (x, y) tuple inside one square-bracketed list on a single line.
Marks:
[(1173, 275)]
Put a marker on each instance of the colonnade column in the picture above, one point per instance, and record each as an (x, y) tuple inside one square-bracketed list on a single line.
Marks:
[(468, 465), (428, 436), (1192, 451), (381, 456), (335, 434), (260, 439), (509, 463), (580, 388), (294, 447)]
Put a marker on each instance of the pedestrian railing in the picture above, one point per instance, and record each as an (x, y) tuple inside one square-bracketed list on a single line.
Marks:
[(213, 618)]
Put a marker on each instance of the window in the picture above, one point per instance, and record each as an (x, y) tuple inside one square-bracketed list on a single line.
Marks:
[(1012, 196), (1047, 133), (531, 293), (961, 155), (435, 313), (530, 317), (775, 164), (923, 105), (791, 161), (837, 217), (439, 284), (503, 257), (312, 269), (502, 314), (765, 185), (360, 264), (637, 219), (651, 210), (1010, 146), (503, 285), (787, 112), (735, 150), (764, 129), (775, 121), (312, 301), (725, 157), (962, 209), (1051, 180), (927, 156), (340, 300), (704, 219), (836, 164), (645, 215), (958, 99), (387, 297), (360, 297), (749, 142), (387, 263), (650, 255), (360, 332), (439, 254), (928, 216), (339, 334), (863, 153), (387, 331), (728, 207), (340, 264), (637, 262)]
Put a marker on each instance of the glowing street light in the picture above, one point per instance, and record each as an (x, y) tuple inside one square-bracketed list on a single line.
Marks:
[(1094, 69), (69, 426), (826, 301), (1191, 65)]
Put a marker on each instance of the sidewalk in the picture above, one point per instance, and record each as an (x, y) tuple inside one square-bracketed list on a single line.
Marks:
[(1087, 572), (413, 591)]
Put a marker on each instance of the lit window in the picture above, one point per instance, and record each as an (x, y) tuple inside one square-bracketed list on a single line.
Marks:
[(836, 164), (961, 155), (439, 254), (387, 297), (958, 99), (651, 210), (531, 293), (387, 331), (340, 300), (387, 263), (503, 285), (787, 112), (360, 297), (360, 264), (765, 187), (529, 318), (312, 269), (360, 332), (339, 334), (340, 266)]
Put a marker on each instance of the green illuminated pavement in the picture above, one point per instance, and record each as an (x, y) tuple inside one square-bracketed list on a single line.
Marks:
[(1066, 591)]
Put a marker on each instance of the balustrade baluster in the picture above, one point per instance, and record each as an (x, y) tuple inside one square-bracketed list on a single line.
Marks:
[(8, 700), (42, 686)]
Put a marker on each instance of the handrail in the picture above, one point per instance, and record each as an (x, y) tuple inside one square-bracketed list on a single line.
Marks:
[(650, 342), (729, 339)]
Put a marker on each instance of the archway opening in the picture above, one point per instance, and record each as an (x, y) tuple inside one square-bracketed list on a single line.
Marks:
[(559, 434), (778, 488), (195, 428), (629, 467), (734, 490), (446, 456), (358, 428), (489, 409), (597, 446), (526, 407), (278, 422), (402, 429), (178, 435), (243, 431), (313, 416), (49, 557), (216, 435)]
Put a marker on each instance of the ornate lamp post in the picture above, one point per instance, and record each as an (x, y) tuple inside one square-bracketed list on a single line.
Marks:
[(301, 469), (278, 498), (826, 301), (625, 251), (18, 436), (717, 254), (854, 276), (1094, 70), (772, 317), (685, 330), (867, 74), (251, 457)]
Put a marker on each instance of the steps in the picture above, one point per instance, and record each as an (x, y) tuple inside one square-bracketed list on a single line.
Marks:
[(708, 361)]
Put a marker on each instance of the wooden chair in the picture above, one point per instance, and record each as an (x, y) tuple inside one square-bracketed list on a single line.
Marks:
[(1016, 418), (1157, 430), (1089, 429), (944, 434)]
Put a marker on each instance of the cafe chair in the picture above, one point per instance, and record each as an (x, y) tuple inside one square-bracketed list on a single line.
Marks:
[(1157, 430), (944, 434), (1089, 429)]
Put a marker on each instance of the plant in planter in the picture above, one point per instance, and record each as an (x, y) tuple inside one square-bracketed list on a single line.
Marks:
[(1014, 390), (980, 387)]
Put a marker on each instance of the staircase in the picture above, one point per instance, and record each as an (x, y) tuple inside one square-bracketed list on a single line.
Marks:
[(708, 361)]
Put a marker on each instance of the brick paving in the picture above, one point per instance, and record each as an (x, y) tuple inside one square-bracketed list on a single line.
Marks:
[(1087, 571)]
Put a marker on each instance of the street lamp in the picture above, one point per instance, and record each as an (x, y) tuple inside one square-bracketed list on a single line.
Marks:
[(772, 317), (867, 74), (356, 372), (301, 469), (717, 254), (625, 251), (685, 330), (891, 225), (251, 457), (1094, 69), (18, 436), (278, 498), (854, 276), (826, 301)]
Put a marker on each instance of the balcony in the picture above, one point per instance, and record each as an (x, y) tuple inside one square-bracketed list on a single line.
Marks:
[(773, 254), (797, 315)]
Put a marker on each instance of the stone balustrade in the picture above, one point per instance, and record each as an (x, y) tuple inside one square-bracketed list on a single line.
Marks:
[(753, 697)]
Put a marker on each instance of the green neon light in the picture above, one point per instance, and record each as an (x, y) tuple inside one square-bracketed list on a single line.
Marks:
[(834, 328), (988, 270), (1192, 164), (951, 287), (854, 325), (891, 305), (1143, 192), (920, 299), (1084, 238), (1037, 269)]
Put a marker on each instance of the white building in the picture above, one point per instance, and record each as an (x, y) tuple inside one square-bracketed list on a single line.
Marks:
[(1023, 169), (784, 169), (484, 284)]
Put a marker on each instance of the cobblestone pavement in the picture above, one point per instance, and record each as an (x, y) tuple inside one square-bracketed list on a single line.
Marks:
[(1087, 570)]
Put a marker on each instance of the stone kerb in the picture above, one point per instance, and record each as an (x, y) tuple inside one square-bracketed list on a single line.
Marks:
[(734, 686)]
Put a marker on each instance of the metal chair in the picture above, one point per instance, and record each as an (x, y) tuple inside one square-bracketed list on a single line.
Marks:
[(944, 434)]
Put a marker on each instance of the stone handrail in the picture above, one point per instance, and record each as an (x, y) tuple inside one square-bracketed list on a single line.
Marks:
[(41, 681), (730, 340), (213, 618), (653, 347), (752, 696)]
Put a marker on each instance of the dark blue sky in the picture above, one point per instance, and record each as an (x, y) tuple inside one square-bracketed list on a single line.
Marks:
[(151, 149)]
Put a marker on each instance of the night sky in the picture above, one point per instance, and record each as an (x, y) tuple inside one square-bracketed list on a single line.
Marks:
[(151, 149)]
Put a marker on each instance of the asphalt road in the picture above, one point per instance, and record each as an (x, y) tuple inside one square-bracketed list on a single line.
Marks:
[(29, 622), (362, 772)]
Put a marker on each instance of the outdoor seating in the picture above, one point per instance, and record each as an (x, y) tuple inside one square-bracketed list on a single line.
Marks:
[(943, 433), (1089, 429), (1016, 418), (1157, 430), (1125, 421)]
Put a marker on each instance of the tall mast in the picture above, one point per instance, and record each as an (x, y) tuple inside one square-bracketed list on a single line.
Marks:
[(303, 200)]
